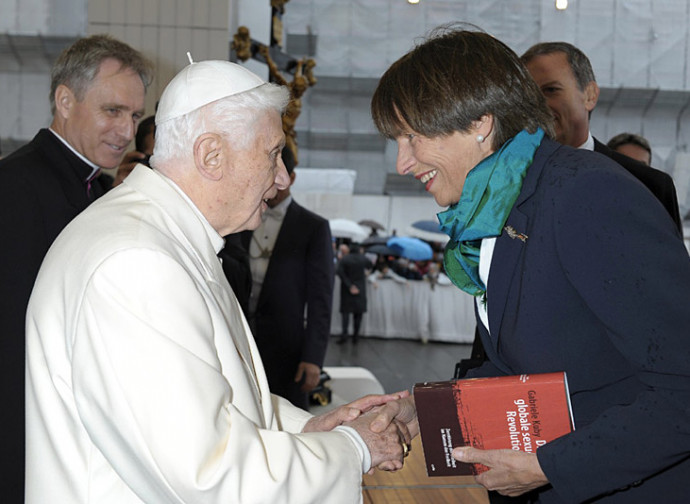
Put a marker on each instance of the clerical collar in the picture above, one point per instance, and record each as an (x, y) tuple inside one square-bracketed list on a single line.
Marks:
[(94, 167)]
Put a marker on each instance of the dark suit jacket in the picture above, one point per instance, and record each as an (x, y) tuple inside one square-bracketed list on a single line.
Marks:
[(235, 260), (42, 188), (660, 183), (600, 290), (299, 275)]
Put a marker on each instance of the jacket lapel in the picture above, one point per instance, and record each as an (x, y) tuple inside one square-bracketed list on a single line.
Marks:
[(511, 244), (246, 239), (503, 267), (67, 167)]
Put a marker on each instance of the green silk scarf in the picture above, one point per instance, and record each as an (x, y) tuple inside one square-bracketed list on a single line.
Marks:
[(487, 198)]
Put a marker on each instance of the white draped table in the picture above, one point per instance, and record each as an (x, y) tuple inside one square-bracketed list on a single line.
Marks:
[(413, 311)]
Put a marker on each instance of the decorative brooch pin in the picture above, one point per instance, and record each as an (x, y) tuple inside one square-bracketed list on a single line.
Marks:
[(514, 234)]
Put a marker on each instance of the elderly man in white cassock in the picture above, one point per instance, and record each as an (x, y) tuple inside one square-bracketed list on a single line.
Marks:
[(144, 384)]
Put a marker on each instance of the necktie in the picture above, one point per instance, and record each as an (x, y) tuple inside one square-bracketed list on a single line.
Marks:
[(93, 177)]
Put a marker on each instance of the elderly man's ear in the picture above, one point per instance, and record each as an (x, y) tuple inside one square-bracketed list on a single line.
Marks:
[(208, 156)]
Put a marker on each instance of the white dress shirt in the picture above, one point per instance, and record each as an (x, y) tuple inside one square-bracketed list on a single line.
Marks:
[(589, 143), (486, 253)]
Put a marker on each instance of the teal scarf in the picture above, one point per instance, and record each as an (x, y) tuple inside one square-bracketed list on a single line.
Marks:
[(487, 198)]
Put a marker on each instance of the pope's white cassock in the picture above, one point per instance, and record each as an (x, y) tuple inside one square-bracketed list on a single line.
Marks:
[(143, 381)]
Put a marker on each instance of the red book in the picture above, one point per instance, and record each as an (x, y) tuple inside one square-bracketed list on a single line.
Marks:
[(521, 412)]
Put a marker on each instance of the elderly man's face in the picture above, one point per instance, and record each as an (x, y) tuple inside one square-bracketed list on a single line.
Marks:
[(102, 125), (256, 173)]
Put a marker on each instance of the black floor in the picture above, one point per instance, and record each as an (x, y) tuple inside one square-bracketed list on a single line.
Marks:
[(399, 363)]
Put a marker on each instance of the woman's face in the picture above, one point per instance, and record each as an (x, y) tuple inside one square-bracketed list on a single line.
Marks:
[(441, 163)]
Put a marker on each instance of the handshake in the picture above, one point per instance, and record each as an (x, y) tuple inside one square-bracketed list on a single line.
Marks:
[(386, 423)]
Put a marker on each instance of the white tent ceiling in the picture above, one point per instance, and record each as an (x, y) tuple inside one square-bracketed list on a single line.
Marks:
[(639, 50)]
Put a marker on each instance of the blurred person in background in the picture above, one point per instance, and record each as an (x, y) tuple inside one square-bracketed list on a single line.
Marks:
[(352, 269), (565, 76), (632, 145)]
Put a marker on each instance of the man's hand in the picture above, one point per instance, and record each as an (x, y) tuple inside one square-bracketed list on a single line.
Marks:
[(510, 473), (354, 290), (127, 165), (385, 447), (311, 373), (348, 412), (404, 413)]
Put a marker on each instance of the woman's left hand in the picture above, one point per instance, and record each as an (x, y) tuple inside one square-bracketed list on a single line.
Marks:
[(510, 473)]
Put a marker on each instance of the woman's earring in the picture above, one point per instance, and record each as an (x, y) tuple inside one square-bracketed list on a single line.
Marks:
[(480, 138)]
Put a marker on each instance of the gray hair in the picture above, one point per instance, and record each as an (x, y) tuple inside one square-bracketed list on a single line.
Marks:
[(234, 116), (78, 65)]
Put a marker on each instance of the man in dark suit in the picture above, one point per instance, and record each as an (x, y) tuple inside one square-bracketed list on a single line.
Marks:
[(291, 260), (565, 76), (97, 97), (235, 260)]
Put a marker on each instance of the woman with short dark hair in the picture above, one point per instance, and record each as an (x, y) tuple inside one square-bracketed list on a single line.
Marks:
[(568, 275)]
